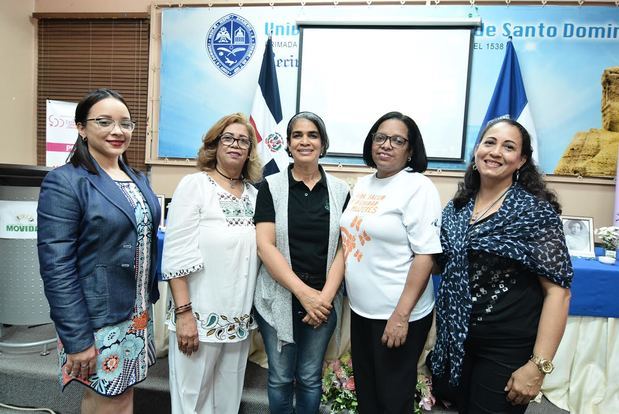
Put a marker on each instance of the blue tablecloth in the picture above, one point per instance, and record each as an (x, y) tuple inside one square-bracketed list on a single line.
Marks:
[(595, 288)]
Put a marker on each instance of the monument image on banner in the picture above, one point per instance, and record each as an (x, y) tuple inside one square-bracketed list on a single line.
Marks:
[(594, 152)]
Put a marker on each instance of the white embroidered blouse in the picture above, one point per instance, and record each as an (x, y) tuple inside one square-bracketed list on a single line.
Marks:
[(211, 239)]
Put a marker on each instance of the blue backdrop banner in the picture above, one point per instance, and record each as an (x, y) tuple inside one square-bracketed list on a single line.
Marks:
[(211, 60)]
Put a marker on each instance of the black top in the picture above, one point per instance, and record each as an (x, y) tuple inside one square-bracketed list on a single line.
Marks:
[(507, 298), (308, 222)]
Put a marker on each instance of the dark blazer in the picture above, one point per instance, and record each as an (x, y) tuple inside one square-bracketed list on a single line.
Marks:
[(87, 235)]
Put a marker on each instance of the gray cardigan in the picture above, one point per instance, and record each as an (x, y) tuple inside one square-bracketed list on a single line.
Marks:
[(273, 301)]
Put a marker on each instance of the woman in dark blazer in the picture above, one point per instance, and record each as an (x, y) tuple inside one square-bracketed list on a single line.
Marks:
[(97, 224)]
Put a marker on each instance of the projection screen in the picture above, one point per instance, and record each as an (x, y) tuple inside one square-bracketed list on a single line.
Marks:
[(351, 75)]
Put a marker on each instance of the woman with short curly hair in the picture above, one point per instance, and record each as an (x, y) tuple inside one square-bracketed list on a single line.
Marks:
[(207, 155), (210, 260)]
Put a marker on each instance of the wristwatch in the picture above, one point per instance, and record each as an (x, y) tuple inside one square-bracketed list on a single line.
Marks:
[(545, 366)]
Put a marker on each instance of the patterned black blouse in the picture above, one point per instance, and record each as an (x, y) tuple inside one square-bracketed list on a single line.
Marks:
[(506, 298), (490, 274)]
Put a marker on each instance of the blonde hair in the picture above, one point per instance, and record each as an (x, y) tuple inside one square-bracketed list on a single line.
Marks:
[(207, 159)]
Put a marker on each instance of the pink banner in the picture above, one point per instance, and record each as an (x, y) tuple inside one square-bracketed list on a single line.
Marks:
[(58, 147)]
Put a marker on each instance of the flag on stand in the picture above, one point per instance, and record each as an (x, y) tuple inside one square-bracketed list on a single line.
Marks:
[(266, 115), (509, 99)]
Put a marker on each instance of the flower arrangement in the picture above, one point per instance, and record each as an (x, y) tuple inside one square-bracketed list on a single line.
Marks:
[(424, 398), (609, 236), (338, 388), (338, 385)]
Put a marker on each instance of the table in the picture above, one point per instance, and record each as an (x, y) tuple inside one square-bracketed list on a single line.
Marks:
[(595, 289), (586, 375)]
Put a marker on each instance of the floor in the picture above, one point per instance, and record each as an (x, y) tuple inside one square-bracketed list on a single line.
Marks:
[(30, 379)]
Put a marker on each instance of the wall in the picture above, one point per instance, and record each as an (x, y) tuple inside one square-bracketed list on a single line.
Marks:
[(586, 197), (92, 6), (18, 85)]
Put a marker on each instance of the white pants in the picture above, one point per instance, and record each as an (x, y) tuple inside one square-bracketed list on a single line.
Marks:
[(210, 381)]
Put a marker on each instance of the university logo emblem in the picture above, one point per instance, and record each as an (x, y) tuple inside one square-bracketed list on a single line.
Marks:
[(274, 142), (230, 43)]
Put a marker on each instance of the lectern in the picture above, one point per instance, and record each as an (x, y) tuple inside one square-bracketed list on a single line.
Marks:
[(22, 301)]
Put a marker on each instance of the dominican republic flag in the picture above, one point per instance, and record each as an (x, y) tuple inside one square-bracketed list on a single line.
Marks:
[(509, 99), (266, 115)]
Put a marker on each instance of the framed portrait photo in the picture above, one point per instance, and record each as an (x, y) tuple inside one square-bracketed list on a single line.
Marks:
[(579, 235)]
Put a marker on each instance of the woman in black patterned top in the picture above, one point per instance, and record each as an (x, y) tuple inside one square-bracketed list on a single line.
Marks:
[(503, 302)]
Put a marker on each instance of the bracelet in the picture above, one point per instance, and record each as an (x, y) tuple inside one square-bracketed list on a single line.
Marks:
[(178, 312), (186, 305), (182, 309)]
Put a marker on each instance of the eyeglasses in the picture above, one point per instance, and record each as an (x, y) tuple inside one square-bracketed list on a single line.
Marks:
[(395, 140), (242, 141), (108, 124)]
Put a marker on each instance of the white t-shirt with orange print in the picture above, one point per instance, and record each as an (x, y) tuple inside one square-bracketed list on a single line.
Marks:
[(388, 221)]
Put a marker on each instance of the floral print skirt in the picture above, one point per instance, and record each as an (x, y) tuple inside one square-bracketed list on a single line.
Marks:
[(124, 353)]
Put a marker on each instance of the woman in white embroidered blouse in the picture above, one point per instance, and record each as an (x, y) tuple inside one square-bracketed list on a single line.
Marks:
[(210, 260)]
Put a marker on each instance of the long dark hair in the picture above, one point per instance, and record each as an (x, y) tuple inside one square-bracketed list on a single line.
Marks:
[(80, 156), (418, 161), (528, 176)]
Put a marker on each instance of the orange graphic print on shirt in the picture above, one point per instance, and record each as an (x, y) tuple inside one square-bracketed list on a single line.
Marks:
[(356, 238), (349, 240), (366, 203)]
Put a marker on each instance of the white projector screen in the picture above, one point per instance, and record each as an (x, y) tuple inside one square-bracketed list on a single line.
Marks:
[(351, 76)]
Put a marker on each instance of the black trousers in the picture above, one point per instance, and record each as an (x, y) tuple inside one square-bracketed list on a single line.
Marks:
[(488, 364), (385, 378)]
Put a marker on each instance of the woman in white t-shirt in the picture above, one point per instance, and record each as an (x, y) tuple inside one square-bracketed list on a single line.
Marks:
[(390, 230)]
